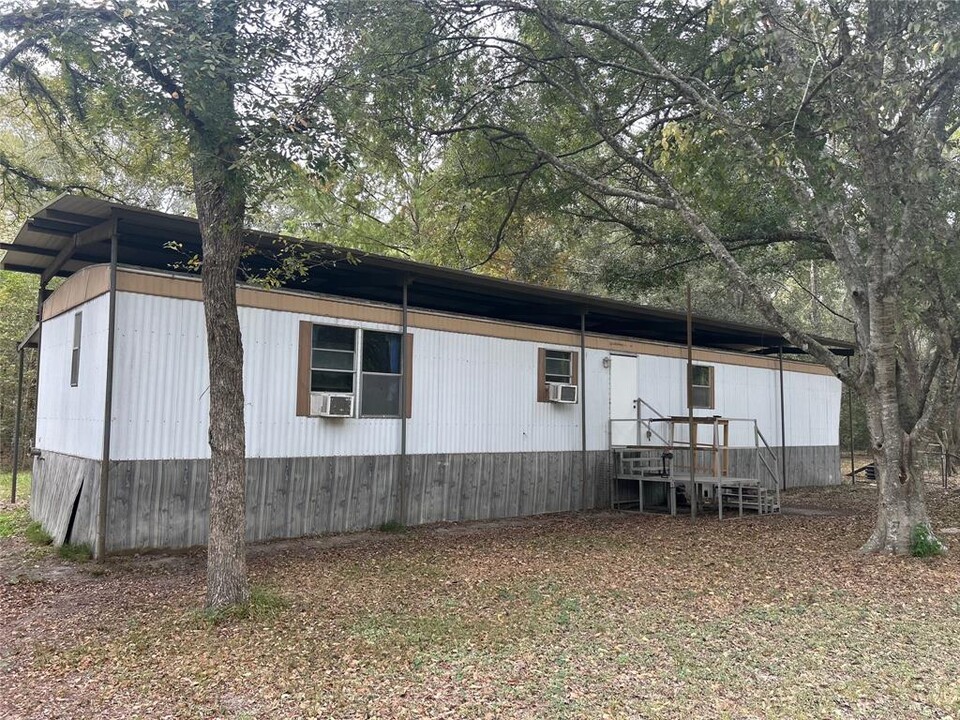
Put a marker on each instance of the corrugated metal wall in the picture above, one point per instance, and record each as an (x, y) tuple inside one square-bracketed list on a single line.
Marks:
[(812, 401), (471, 394), (479, 394), (70, 419)]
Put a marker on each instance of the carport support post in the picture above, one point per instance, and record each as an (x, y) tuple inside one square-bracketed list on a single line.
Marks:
[(783, 426), (16, 428), (101, 548), (404, 370), (691, 429), (583, 410), (853, 478)]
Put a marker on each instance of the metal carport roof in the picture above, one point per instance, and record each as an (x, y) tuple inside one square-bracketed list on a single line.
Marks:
[(72, 232)]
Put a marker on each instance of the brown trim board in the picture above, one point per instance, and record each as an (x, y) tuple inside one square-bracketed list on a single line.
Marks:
[(304, 353), (86, 284), (94, 280)]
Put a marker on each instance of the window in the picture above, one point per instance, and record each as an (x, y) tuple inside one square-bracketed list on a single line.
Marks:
[(332, 359), (559, 366), (703, 386), (556, 366), (380, 379), (75, 354), (365, 363)]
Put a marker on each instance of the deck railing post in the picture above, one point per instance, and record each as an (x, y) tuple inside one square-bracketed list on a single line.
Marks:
[(756, 444)]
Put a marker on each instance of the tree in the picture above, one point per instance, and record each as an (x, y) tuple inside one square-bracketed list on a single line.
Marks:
[(18, 298), (846, 113), (237, 85)]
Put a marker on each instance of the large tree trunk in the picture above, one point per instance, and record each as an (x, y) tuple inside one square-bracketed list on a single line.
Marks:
[(901, 507), (220, 210)]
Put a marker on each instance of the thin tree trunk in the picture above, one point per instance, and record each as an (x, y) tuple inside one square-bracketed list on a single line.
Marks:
[(220, 210), (953, 443), (220, 189)]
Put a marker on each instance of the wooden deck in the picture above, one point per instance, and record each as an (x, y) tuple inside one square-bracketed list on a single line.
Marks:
[(647, 468)]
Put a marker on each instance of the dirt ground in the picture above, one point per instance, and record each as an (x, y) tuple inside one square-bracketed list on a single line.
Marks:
[(593, 615)]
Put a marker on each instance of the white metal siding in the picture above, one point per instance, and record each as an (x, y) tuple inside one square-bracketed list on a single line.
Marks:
[(479, 394), (470, 393), (70, 419), (812, 402)]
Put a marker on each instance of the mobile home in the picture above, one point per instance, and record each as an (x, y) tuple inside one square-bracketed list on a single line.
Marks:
[(376, 389)]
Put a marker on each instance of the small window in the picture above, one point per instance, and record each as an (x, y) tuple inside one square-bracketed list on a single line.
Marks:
[(559, 366), (703, 396), (556, 367), (333, 359), (75, 354)]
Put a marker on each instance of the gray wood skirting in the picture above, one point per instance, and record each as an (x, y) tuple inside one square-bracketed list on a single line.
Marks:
[(163, 503), (56, 481)]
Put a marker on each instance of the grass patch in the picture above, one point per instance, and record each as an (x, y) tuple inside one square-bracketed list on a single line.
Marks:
[(12, 522), (74, 553), (923, 543), (392, 526), (36, 534), (264, 603), (23, 486)]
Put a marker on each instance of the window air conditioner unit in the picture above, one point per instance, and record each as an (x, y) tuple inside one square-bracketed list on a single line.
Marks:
[(563, 393), (331, 405)]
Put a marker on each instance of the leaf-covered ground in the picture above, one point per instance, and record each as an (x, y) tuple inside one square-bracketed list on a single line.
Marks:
[(597, 615)]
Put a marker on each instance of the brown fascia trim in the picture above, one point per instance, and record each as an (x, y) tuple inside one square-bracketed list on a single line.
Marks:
[(92, 281)]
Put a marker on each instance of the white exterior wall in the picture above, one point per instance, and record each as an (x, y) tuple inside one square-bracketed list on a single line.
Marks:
[(471, 393), (70, 419), (812, 401), (476, 394)]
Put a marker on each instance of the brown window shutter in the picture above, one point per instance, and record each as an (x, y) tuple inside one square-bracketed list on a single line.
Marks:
[(543, 394), (303, 368), (408, 375), (713, 389), (574, 368)]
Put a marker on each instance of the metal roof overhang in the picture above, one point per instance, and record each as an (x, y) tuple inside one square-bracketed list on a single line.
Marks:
[(72, 232)]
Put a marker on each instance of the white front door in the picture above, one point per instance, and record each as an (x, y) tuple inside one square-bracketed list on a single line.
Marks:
[(624, 429)]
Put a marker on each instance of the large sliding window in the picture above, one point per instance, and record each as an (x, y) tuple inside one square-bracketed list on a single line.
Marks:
[(363, 363)]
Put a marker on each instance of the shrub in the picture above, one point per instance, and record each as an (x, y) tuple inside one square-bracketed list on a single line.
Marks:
[(923, 543)]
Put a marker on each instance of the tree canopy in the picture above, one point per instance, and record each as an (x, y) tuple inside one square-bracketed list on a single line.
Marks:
[(831, 127)]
